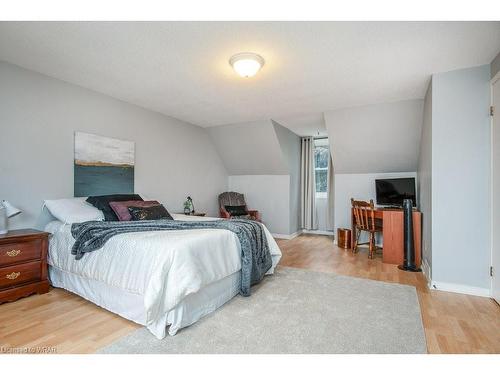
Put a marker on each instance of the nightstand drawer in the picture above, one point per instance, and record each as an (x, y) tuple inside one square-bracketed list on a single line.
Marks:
[(19, 274), (19, 252)]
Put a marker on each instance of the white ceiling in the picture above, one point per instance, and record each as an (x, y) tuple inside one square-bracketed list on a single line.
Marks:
[(181, 68), (305, 125)]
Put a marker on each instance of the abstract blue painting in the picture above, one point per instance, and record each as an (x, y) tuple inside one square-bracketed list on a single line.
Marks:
[(103, 165)]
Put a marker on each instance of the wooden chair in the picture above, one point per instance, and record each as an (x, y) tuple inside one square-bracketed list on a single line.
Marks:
[(364, 216)]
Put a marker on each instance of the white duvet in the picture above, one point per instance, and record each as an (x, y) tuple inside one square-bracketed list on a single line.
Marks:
[(163, 266)]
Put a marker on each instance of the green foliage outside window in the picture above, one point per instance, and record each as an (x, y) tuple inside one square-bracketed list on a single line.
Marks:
[(321, 156)]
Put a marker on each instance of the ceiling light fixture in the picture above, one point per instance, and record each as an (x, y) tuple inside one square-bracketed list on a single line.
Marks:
[(246, 64)]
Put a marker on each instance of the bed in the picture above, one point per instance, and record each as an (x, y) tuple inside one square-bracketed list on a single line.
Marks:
[(164, 280)]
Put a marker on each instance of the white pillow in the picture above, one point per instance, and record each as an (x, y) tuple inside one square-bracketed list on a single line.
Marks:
[(73, 210)]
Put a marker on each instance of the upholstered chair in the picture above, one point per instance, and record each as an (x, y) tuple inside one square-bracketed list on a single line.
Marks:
[(231, 198)]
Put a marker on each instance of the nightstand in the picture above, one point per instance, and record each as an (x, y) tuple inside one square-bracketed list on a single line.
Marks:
[(23, 264), (197, 214)]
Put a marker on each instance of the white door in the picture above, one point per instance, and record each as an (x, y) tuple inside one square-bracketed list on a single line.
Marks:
[(495, 225)]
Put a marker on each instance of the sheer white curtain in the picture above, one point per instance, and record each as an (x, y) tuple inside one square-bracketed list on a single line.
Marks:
[(330, 194), (307, 185)]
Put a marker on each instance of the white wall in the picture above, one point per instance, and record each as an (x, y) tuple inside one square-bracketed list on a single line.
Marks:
[(461, 178), (378, 138), (38, 118), (357, 186), (424, 182), (270, 195)]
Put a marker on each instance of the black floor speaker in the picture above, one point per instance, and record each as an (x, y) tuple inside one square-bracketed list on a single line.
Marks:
[(409, 247)]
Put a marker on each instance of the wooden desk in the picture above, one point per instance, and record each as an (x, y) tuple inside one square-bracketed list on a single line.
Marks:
[(393, 235)]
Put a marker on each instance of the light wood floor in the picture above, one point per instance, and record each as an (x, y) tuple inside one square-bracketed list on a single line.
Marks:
[(454, 323)]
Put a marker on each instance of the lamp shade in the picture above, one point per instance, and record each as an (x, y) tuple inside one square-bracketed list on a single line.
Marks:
[(246, 64), (10, 209)]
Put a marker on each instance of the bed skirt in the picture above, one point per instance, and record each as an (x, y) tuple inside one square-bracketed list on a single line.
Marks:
[(131, 306)]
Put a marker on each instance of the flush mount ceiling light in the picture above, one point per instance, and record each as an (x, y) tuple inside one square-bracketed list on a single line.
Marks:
[(246, 64)]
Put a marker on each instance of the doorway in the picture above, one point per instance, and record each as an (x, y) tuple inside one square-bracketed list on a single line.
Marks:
[(495, 189)]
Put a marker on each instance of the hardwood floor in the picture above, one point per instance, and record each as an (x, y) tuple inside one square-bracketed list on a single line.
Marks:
[(453, 323), (66, 323)]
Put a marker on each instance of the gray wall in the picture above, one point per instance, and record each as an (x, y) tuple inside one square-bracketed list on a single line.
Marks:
[(290, 147), (379, 138), (424, 181), (461, 177), (263, 161), (270, 195), (495, 66), (38, 117), (249, 148)]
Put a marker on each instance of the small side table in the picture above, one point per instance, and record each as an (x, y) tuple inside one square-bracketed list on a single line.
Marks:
[(195, 213)]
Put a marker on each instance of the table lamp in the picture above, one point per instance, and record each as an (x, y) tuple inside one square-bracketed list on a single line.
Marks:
[(6, 211)]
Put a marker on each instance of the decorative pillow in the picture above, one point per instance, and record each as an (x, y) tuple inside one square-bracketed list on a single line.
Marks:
[(121, 208), (102, 203), (73, 210), (236, 210), (149, 213)]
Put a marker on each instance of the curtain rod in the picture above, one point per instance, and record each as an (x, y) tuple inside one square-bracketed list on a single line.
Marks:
[(314, 138)]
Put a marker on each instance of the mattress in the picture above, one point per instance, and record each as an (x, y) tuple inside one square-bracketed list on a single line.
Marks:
[(156, 278)]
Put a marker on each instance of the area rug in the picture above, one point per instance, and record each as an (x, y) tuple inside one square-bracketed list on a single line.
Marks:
[(298, 311)]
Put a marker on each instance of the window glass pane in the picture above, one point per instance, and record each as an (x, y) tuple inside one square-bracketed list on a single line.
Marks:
[(321, 176), (321, 157)]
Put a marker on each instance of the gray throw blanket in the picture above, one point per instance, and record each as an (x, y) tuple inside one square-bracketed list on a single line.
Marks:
[(255, 254)]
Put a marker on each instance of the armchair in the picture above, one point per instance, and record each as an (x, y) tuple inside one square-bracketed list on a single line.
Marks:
[(231, 198)]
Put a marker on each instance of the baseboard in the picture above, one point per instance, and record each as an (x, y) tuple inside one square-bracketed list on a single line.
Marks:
[(320, 232), (426, 270), (463, 289), (286, 236)]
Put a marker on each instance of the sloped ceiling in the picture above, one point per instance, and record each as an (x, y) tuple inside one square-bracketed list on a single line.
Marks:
[(249, 148), (310, 125), (379, 138)]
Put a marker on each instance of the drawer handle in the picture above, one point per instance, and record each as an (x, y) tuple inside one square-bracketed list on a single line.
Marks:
[(13, 253), (13, 275)]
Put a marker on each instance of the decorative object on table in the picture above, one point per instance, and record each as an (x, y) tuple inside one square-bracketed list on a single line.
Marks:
[(7, 211), (192, 204), (344, 238), (23, 264), (236, 202), (187, 208), (409, 253), (103, 165)]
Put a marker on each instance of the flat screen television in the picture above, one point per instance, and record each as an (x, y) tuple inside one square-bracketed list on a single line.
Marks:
[(392, 191)]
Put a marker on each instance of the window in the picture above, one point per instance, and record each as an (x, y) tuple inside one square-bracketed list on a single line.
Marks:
[(321, 156)]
